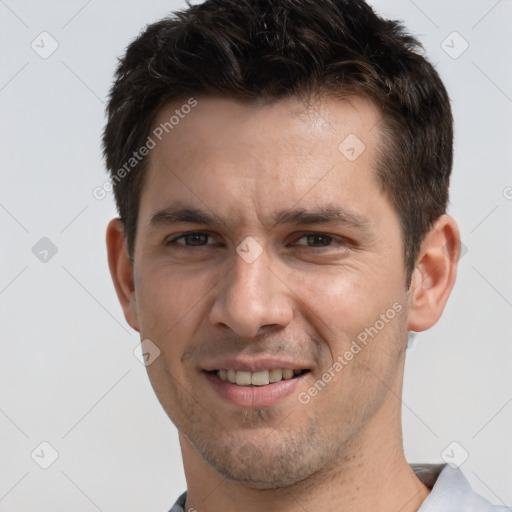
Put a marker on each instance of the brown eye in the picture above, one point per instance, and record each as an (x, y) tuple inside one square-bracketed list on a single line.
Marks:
[(323, 240), (316, 240), (194, 239)]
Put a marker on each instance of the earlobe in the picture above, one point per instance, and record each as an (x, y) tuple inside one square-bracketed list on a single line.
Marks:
[(434, 275), (121, 270)]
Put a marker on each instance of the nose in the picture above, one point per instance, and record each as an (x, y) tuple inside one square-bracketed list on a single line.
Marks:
[(252, 298)]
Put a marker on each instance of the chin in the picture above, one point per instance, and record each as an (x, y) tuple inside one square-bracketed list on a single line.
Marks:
[(264, 462), (265, 477)]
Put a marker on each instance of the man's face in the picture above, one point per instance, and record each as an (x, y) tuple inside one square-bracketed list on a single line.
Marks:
[(295, 295)]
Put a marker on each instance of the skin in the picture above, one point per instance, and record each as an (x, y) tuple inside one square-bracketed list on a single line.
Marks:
[(305, 298)]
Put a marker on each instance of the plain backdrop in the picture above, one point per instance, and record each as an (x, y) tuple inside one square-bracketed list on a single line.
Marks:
[(69, 376)]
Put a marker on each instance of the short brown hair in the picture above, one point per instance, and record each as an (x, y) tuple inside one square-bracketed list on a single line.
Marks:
[(265, 50)]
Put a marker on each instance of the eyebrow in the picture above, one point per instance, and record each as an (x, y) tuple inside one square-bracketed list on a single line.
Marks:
[(328, 214), (322, 215), (181, 214)]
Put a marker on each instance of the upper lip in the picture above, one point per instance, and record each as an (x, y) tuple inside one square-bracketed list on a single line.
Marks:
[(254, 365)]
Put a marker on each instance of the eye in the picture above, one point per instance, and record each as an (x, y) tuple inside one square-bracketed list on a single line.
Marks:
[(192, 239), (317, 240)]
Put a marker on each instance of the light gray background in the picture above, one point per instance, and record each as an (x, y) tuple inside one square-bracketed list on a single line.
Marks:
[(69, 376)]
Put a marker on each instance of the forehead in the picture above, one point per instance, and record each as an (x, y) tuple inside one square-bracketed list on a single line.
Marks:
[(261, 154), (221, 121)]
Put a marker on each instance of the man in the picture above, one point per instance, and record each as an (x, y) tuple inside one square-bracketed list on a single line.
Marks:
[(281, 170)]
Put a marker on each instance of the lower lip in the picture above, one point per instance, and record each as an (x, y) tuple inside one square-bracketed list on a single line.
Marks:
[(253, 396)]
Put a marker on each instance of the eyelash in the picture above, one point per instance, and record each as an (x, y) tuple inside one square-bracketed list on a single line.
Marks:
[(339, 240)]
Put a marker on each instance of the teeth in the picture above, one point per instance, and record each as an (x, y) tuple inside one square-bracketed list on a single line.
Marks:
[(275, 375), (243, 378), (287, 373), (261, 378)]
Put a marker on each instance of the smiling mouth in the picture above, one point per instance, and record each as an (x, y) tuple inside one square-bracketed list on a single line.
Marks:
[(257, 379)]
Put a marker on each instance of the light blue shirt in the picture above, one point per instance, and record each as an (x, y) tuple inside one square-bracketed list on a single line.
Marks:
[(450, 492)]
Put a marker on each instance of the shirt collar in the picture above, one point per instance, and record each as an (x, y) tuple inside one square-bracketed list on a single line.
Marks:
[(450, 490)]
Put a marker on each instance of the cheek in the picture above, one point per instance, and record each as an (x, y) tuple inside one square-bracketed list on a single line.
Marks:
[(362, 322), (345, 303), (341, 297), (164, 298)]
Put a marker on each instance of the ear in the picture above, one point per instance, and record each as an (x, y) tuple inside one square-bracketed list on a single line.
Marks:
[(121, 270), (434, 274)]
